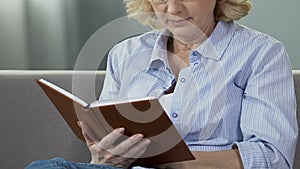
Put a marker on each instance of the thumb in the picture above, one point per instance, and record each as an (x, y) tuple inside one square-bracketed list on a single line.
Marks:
[(88, 134)]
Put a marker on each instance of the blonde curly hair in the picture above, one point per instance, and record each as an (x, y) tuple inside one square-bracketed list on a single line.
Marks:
[(225, 10)]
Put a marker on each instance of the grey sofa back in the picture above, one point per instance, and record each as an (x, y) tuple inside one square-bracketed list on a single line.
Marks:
[(32, 129)]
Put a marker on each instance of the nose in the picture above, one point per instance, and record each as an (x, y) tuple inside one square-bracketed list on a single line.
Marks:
[(174, 7)]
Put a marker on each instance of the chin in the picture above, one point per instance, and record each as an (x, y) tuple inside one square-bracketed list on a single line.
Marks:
[(186, 32)]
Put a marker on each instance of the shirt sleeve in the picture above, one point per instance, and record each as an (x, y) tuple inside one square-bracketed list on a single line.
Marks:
[(268, 115)]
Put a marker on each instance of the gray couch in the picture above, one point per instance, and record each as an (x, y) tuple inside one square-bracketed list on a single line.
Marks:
[(32, 129)]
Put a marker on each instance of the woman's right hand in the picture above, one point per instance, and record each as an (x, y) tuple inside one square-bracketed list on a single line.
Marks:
[(105, 152)]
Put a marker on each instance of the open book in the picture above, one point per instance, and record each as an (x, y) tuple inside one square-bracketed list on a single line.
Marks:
[(145, 116)]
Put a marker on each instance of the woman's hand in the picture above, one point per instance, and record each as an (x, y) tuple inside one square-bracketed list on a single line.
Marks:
[(105, 152)]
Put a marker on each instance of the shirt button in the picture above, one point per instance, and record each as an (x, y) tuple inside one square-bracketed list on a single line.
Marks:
[(182, 80), (195, 53), (174, 115)]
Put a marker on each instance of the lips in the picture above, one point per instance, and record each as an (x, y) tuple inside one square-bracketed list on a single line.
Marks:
[(178, 22)]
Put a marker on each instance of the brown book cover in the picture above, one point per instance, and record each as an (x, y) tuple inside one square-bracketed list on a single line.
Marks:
[(145, 115)]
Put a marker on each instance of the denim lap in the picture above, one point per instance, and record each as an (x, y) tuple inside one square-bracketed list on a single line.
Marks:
[(60, 163)]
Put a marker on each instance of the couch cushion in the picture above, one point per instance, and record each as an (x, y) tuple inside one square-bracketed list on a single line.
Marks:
[(31, 128)]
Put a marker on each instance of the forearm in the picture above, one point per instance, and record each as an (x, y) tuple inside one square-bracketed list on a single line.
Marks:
[(209, 160)]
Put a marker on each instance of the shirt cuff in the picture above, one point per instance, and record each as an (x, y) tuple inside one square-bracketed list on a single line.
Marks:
[(251, 154)]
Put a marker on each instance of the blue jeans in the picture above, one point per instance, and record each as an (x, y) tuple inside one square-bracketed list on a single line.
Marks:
[(60, 163)]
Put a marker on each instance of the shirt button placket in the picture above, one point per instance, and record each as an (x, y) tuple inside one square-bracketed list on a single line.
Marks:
[(195, 56)]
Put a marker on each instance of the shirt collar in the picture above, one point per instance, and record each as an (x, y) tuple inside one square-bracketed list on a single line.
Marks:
[(213, 47), (159, 54), (216, 44)]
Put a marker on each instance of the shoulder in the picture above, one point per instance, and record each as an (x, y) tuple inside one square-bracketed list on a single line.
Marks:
[(258, 46), (265, 53), (146, 40), (131, 45), (255, 38), (133, 51)]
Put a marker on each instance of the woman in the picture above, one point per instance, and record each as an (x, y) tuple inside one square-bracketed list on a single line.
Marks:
[(233, 102)]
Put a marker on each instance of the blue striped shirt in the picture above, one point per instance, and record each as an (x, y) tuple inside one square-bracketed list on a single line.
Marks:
[(238, 90)]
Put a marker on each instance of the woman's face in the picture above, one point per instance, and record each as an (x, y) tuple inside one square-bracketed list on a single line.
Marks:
[(184, 17)]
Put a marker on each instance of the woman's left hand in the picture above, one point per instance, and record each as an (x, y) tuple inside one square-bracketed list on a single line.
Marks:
[(105, 151)]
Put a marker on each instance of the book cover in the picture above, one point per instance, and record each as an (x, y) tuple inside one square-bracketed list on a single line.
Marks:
[(144, 115)]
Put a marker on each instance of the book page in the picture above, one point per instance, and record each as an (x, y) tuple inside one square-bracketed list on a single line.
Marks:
[(64, 92), (98, 103)]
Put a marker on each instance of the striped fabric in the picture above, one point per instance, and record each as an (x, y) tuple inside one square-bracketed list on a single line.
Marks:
[(237, 90)]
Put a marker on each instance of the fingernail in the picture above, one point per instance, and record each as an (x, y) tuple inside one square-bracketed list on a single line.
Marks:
[(138, 136), (120, 130), (79, 124), (147, 141)]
